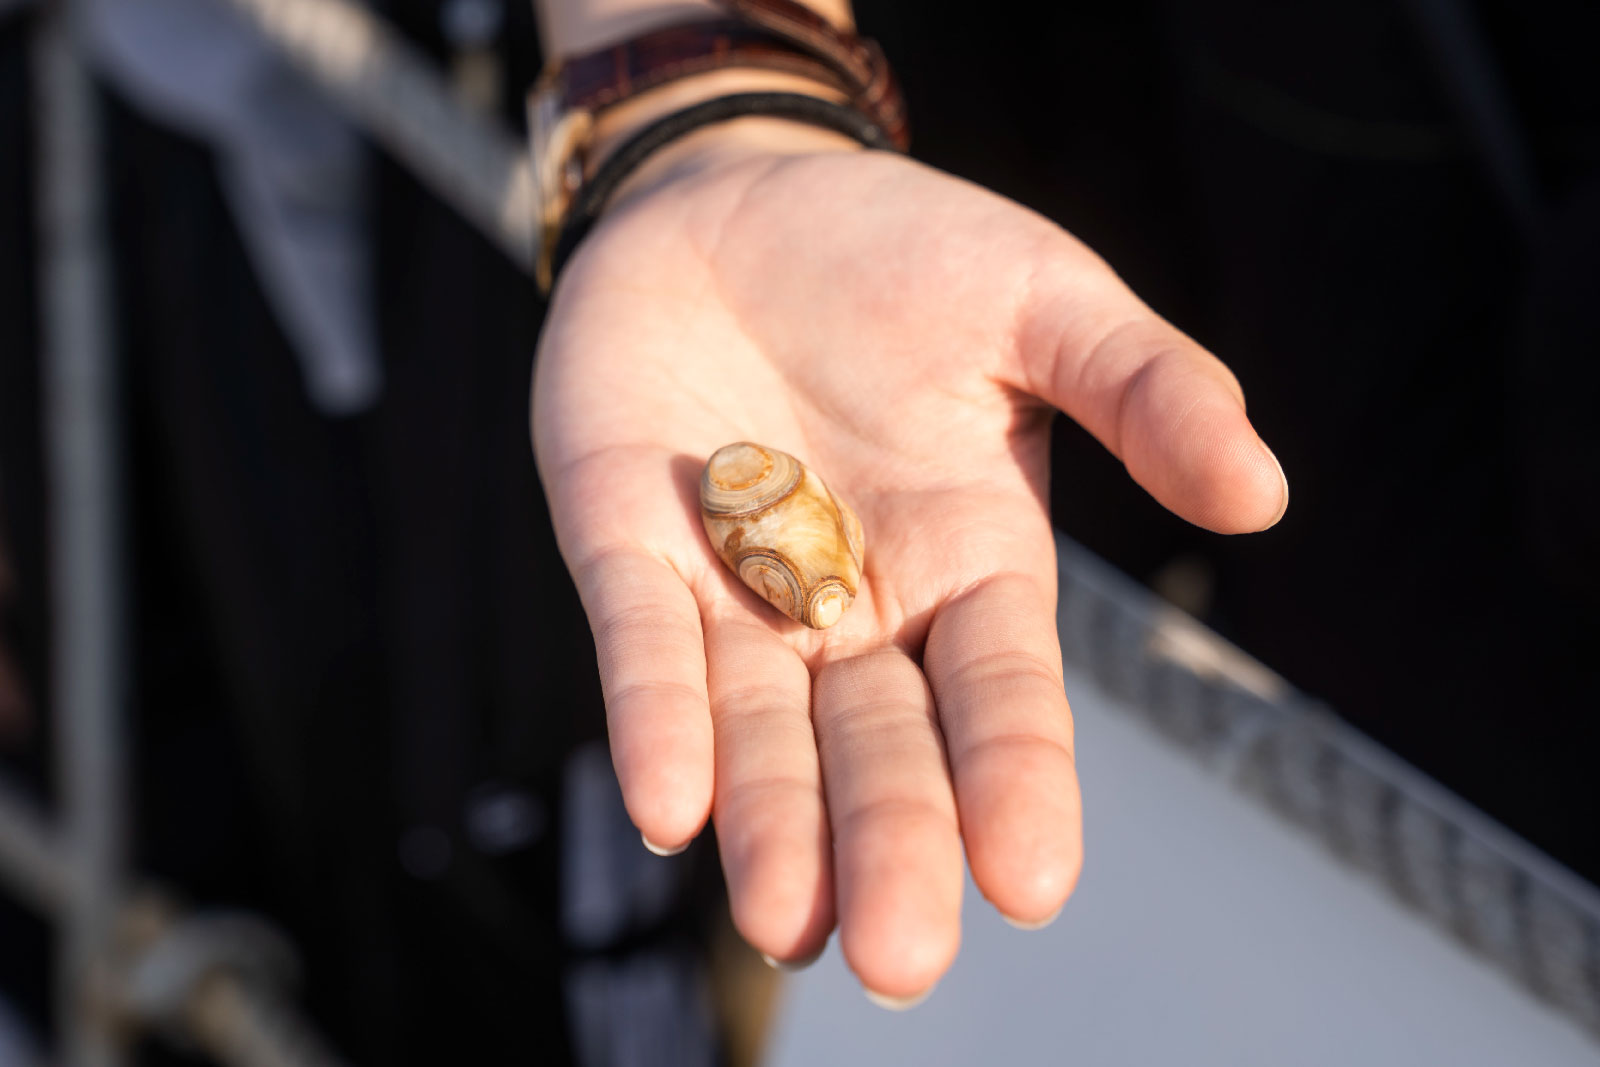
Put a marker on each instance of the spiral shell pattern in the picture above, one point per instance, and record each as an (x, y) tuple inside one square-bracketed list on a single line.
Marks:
[(742, 479), (782, 532), (769, 574)]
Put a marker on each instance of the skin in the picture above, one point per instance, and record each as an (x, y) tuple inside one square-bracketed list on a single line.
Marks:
[(909, 336)]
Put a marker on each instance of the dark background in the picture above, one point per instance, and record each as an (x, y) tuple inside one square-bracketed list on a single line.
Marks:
[(1302, 187)]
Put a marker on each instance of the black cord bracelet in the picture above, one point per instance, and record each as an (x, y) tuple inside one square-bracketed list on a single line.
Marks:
[(841, 118)]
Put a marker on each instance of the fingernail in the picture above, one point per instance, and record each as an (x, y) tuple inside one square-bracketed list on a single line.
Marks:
[(1038, 924), (1282, 477), (888, 1003), (791, 966), (658, 850)]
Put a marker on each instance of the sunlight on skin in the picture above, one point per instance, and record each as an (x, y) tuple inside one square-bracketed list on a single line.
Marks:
[(906, 335)]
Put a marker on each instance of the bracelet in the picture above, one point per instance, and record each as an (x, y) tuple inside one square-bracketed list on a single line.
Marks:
[(784, 35), (625, 160)]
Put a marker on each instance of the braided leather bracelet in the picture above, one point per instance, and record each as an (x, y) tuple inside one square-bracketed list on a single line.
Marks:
[(840, 118)]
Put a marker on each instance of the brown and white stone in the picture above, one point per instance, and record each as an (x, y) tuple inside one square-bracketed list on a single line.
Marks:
[(782, 532)]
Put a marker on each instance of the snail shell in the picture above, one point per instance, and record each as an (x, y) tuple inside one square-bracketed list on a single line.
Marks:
[(782, 532)]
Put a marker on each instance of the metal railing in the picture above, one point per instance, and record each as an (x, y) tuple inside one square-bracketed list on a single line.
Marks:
[(79, 384), (1519, 910)]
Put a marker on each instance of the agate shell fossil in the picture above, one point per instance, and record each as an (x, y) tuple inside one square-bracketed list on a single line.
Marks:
[(781, 530)]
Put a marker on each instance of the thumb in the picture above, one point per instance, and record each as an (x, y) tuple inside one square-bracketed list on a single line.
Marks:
[(1161, 403)]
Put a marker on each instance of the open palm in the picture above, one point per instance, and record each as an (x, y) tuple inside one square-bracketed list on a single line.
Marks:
[(907, 336)]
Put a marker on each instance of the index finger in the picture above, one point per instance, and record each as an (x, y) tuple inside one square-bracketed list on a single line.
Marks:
[(651, 653)]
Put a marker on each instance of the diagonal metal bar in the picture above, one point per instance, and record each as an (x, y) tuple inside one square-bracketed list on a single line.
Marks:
[(400, 100), (1522, 912)]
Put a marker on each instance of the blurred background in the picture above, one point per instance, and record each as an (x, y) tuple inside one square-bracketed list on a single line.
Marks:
[(281, 707)]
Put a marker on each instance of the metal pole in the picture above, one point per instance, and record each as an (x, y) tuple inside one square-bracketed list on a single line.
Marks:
[(79, 384)]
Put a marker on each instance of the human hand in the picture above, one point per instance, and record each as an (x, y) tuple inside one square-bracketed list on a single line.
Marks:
[(908, 336)]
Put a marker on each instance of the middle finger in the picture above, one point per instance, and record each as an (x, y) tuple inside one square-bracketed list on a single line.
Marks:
[(772, 826), (896, 841)]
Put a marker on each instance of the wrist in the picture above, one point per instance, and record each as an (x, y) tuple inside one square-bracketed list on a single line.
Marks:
[(622, 121), (721, 144), (727, 145), (766, 81), (761, 140)]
